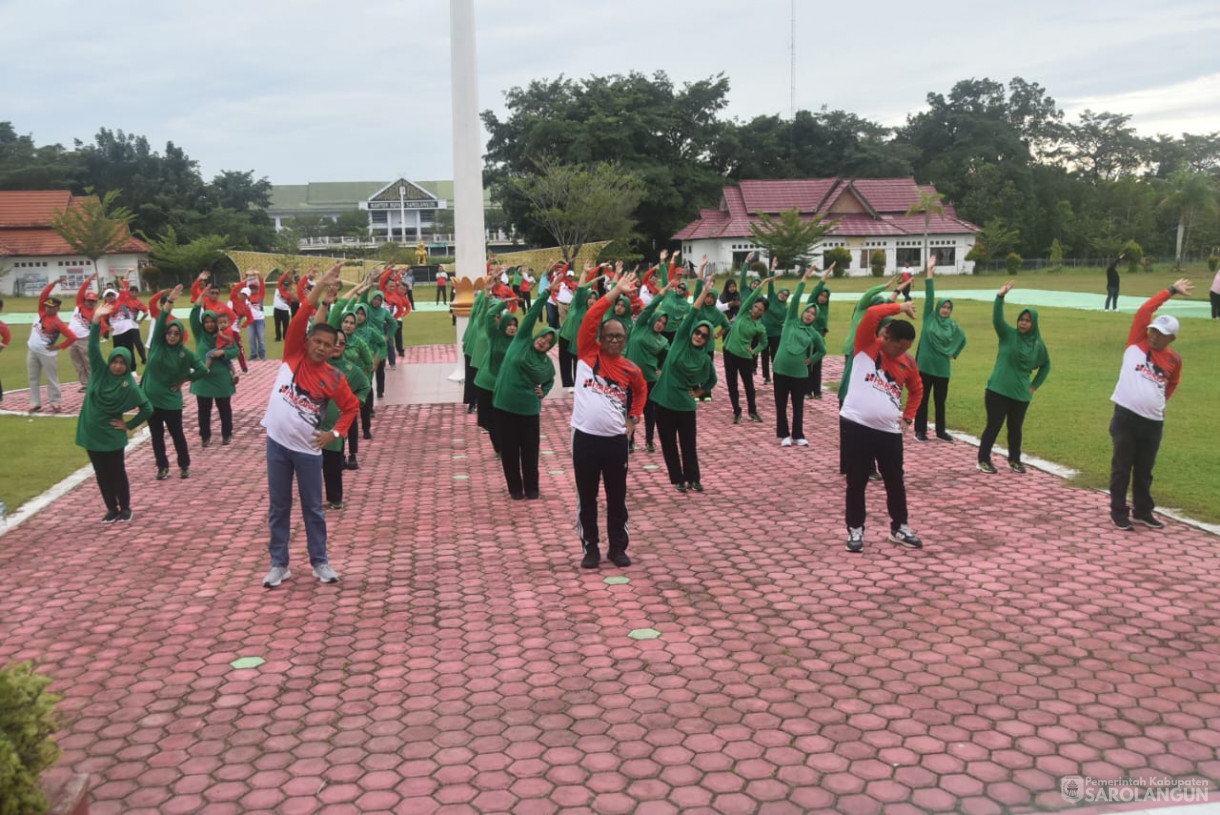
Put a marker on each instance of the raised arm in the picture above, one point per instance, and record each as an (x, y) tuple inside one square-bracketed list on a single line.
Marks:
[(1143, 317), (1002, 329)]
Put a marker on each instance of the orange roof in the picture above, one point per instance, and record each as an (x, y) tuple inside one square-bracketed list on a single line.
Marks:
[(25, 230), (31, 207)]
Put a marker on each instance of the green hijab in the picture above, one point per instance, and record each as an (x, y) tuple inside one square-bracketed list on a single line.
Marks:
[(1029, 350), (942, 334), (112, 395)]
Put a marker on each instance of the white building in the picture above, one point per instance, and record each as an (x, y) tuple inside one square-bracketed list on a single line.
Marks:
[(870, 212), (32, 254)]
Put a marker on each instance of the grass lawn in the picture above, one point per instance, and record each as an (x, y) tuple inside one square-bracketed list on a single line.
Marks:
[(1067, 422)]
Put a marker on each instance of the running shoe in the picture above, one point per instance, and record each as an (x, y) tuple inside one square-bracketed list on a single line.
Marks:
[(1122, 522), (906, 536), (786, 441), (802, 442), (1016, 467), (619, 559), (325, 573), (1147, 519), (855, 539), (276, 576), (987, 467), (944, 437), (110, 517), (163, 473)]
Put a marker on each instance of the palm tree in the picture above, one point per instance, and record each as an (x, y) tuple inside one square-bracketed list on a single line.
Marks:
[(928, 203), (1189, 194)]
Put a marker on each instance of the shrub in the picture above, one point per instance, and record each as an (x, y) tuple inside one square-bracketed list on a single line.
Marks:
[(978, 253), (1213, 262), (760, 268), (1146, 260), (876, 261), (841, 257), (27, 746), (1134, 253), (1013, 263), (1056, 255)]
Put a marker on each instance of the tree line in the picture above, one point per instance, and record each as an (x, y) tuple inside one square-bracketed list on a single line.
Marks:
[(1004, 156)]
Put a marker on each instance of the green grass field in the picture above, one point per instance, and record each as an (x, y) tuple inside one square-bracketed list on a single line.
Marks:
[(1067, 422)]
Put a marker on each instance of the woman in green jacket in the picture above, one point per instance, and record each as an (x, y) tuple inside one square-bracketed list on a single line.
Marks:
[(687, 375), (747, 337), (941, 340), (100, 429), (500, 326), (356, 363), (800, 345), (820, 296), (647, 348), (215, 384), (469, 396), (526, 376), (170, 364), (1009, 390), (584, 297)]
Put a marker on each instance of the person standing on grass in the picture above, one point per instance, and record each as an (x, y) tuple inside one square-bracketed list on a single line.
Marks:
[(282, 304), (81, 319), (170, 365), (872, 420), (942, 340), (1112, 283), (905, 280), (101, 428), (1215, 296), (305, 383), (1148, 377), (607, 405), (48, 336), (1009, 390), (6, 338)]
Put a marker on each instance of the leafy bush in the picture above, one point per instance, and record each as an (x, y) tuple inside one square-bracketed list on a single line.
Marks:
[(619, 249), (1056, 256), (876, 261), (1213, 262), (1147, 263), (1013, 263), (978, 253), (841, 257), (1134, 253), (27, 747), (760, 268)]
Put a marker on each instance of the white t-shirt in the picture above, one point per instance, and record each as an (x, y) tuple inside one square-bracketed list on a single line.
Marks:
[(280, 304)]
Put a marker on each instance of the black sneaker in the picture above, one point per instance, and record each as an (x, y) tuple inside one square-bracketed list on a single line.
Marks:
[(591, 560), (185, 472), (205, 442), (619, 559), (1147, 519), (110, 517), (874, 476), (944, 437), (906, 536), (517, 496), (351, 463), (987, 467), (696, 486), (754, 417), (533, 495), (921, 437), (1121, 521), (650, 448), (680, 487), (1016, 467), (368, 436), (225, 441), (855, 539), (162, 473), (817, 396), (736, 418), (124, 516)]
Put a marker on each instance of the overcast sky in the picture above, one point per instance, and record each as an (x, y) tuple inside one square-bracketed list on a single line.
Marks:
[(318, 90)]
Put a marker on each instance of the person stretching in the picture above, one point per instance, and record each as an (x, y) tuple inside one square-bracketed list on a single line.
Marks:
[(942, 340)]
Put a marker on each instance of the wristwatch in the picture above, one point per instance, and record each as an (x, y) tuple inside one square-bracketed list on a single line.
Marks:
[(338, 435)]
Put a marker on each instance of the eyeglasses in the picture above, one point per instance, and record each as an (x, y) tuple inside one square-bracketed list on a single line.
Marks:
[(614, 338), (703, 334)]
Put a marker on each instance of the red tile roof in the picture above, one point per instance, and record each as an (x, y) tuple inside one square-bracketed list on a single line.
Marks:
[(25, 218), (890, 198)]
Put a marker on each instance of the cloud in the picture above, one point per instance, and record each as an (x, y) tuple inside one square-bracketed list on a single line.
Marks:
[(1173, 109)]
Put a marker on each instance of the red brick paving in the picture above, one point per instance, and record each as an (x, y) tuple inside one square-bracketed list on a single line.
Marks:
[(465, 663)]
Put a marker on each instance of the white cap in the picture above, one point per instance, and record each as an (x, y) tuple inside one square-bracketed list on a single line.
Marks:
[(1166, 325), (109, 292), (245, 290)]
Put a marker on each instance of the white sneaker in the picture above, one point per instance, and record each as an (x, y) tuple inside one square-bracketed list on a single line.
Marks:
[(325, 573), (802, 442), (786, 441), (276, 576), (855, 539), (907, 537)]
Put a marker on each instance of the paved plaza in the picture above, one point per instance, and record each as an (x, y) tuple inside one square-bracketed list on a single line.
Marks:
[(745, 663)]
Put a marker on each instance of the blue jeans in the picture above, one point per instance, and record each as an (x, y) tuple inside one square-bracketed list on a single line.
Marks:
[(282, 464), (258, 339)]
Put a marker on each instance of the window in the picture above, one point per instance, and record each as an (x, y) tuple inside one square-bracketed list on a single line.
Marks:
[(908, 256), (945, 255)]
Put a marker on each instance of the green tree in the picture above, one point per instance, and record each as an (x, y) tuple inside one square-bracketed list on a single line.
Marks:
[(1056, 255), (575, 204), (184, 261), (876, 261), (1187, 195), (94, 227), (1101, 146), (840, 256), (351, 224), (790, 239), (28, 722), (998, 238), (929, 204)]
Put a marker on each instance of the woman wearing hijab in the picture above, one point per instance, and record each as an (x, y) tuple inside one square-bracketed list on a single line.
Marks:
[(747, 337), (501, 326), (730, 300), (800, 345), (100, 429), (688, 374), (647, 348), (526, 376), (820, 296), (215, 383), (170, 365), (940, 343), (773, 319), (356, 363), (1009, 389)]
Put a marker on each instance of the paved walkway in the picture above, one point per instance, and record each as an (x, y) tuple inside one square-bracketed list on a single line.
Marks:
[(745, 664)]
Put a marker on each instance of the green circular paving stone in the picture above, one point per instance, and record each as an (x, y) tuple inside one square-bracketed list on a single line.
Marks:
[(652, 466), (616, 580), (460, 477), (547, 452), (555, 472), (458, 458), (644, 634), (247, 662)]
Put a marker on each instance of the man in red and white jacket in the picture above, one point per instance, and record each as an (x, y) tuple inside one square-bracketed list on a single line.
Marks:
[(872, 419), (1149, 375), (48, 336), (609, 401), (304, 385)]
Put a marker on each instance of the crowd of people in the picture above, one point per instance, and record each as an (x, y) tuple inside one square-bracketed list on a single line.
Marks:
[(630, 347)]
